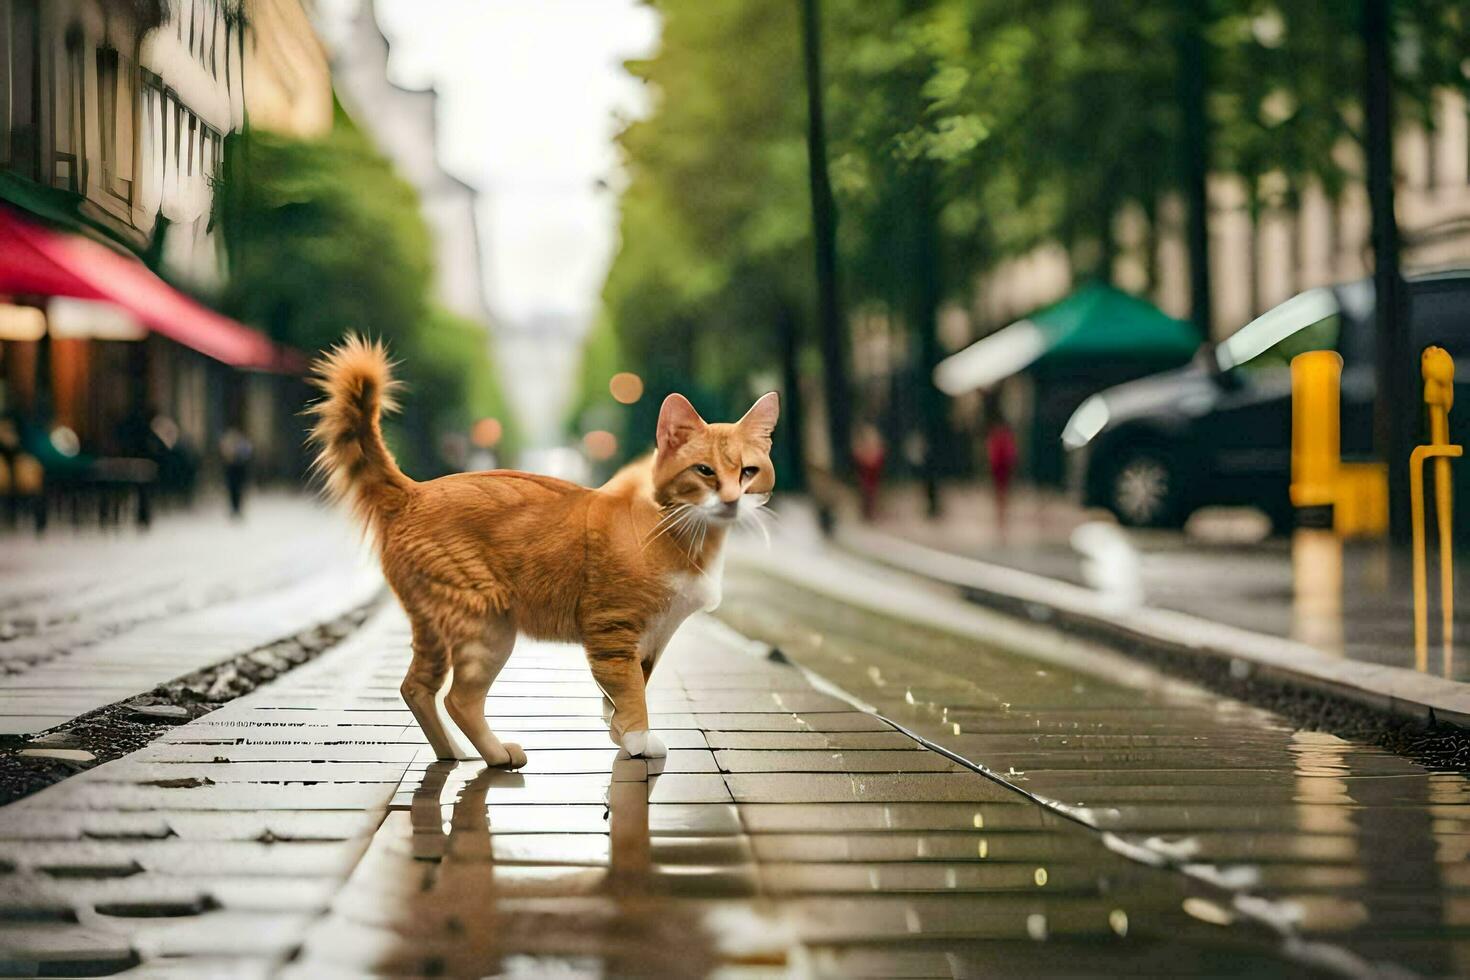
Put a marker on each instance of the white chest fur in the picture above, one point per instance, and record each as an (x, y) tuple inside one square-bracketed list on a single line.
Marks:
[(691, 594)]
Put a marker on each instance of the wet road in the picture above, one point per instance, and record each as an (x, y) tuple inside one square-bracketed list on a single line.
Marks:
[(1355, 854)]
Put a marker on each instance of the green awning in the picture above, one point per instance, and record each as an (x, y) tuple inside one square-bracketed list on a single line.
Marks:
[(1096, 321)]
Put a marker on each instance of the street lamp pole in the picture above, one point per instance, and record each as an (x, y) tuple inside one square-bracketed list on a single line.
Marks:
[(1396, 407), (831, 332)]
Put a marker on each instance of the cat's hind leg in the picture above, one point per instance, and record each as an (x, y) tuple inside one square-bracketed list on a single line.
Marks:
[(476, 665), (420, 688)]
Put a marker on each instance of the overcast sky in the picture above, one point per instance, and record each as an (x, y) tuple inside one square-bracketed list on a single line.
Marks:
[(530, 92)]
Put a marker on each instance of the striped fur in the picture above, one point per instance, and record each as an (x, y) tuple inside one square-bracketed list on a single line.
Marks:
[(357, 380)]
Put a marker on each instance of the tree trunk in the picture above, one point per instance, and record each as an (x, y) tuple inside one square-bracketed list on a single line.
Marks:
[(923, 318), (793, 417), (1396, 405), (1193, 68), (832, 329)]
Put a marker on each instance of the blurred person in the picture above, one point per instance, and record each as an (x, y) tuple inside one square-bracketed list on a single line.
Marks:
[(177, 466), (869, 454), (236, 449), (1002, 454), (916, 454)]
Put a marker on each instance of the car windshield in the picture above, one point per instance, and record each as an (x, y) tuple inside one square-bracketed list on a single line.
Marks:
[(1308, 321)]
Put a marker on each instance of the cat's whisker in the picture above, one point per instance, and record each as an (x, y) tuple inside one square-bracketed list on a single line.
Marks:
[(669, 523), (756, 522), (761, 518)]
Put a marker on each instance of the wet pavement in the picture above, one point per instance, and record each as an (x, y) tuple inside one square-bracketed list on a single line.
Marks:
[(1355, 854), (1347, 599), (303, 831), (911, 787), (92, 617)]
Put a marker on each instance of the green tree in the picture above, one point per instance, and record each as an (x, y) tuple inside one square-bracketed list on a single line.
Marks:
[(323, 238), (962, 132), (714, 259)]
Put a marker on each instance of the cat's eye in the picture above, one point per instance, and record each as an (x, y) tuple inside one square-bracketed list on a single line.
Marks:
[(749, 472), (703, 470)]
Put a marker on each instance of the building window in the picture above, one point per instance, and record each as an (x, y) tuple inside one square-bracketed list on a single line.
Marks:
[(18, 92), (69, 160), (115, 111), (107, 110), (214, 39)]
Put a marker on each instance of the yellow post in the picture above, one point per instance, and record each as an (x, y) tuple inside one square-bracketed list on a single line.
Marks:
[(1438, 369), (1316, 439)]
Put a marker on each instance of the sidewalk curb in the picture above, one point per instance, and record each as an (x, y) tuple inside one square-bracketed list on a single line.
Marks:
[(1246, 655)]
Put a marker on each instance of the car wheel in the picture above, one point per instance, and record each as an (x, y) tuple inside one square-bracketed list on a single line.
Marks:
[(1144, 491)]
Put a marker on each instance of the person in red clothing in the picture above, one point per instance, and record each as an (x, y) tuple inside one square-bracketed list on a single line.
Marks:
[(1002, 454), (869, 454)]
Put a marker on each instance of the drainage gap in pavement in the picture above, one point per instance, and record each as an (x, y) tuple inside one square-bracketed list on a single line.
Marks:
[(32, 763)]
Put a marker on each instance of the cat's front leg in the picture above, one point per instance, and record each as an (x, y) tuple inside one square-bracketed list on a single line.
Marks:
[(617, 670)]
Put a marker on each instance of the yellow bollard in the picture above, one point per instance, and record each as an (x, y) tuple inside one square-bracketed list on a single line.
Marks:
[(1316, 379), (1438, 369)]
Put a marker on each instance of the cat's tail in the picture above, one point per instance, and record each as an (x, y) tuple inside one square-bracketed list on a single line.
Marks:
[(357, 380)]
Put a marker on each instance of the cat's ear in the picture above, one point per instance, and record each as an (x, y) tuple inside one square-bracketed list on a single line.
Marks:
[(760, 421), (677, 421)]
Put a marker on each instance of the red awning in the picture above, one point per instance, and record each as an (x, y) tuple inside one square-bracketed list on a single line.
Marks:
[(36, 259)]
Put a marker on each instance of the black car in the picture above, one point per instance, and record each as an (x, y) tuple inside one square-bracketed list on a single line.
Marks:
[(1218, 431)]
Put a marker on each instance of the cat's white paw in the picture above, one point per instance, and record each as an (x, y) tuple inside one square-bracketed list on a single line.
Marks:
[(645, 744)]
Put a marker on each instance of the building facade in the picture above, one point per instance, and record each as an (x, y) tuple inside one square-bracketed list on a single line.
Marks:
[(1257, 263), (115, 114), (403, 124), (113, 122)]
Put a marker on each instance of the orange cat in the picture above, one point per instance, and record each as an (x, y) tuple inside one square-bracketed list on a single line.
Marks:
[(476, 558)]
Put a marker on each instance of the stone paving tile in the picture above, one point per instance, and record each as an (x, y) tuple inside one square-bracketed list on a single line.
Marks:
[(58, 949), (811, 878), (829, 721), (821, 787), (149, 894), (796, 761), (1012, 813), (798, 741), (43, 824), (84, 859), (1150, 957), (885, 847), (185, 753)]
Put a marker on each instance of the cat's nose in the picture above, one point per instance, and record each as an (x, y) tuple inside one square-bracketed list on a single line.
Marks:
[(729, 508)]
